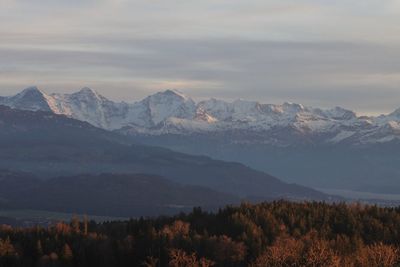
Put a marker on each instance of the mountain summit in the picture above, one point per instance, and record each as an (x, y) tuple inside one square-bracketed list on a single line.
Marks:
[(30, 98)]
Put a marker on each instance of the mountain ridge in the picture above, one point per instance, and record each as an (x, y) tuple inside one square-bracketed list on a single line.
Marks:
[(171, 112)]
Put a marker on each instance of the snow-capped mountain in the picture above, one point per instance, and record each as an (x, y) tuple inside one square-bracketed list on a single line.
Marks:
[(86, 105), (29, 99), (171, 112)]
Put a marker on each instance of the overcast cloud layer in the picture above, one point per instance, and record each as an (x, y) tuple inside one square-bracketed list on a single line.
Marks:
[(319, 53)]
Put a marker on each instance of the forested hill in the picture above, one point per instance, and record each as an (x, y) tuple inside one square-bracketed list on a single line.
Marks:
[(269, 234)]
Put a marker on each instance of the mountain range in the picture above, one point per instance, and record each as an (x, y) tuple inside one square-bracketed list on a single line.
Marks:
[(171, 112), (319, 148)]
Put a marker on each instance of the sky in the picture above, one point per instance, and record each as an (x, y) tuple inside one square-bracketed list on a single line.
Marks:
[(316, 52)]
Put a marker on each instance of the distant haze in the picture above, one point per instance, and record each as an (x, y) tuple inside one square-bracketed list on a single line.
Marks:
[(314, 52)]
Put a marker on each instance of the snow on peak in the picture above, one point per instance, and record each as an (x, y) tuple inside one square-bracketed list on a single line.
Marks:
[(173, 93), (87, 93), (30, 98), (337, 113), (29, 93), (163, 105), (217, 108), (169, 97), (292, 107), (31, 90)]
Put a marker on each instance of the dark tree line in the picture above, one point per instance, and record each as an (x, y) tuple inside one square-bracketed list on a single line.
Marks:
[(270, 234)]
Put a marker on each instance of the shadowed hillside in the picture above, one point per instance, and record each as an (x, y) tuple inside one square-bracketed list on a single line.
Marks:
[(51, 145)]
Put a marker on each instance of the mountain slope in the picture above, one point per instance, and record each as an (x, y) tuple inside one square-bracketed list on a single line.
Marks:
[(50, 145)]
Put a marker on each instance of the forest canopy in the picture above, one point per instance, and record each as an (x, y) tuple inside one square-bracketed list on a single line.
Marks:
[(278, 233)]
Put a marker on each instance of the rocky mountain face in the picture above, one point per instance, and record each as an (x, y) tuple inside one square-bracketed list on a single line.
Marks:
[(171, 112)]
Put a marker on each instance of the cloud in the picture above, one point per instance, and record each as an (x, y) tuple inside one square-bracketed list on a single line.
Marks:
[(316, 52)]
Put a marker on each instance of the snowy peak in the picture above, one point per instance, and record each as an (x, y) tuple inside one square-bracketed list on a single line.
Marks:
[(86, 105), (169, 96), (33, 90), (337, 113), (30, 98), (88, 94), (217, 108), (172, 93), (87, 91), (167, 104), (292, 107), (29, 93)]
